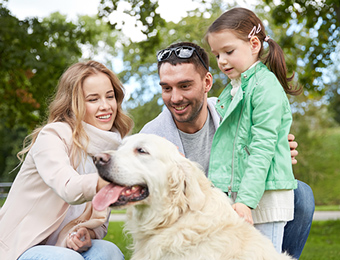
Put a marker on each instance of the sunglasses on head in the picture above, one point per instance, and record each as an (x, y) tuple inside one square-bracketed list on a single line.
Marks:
[(182, 52)]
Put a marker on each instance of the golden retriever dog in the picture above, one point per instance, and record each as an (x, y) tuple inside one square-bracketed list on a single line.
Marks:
[(173, 211)]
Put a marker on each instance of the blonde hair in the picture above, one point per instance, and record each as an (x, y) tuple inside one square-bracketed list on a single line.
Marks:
[(68, 106)]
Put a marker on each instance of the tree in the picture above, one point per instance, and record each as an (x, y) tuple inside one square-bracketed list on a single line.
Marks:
[(145, 13), (311, 27), (140, 61), (33, 54)]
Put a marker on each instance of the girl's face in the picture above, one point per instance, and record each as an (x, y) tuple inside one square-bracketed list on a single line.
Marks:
[(234, 56), (100, 101)]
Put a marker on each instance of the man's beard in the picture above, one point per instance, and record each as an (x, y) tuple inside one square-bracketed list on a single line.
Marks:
[(195, 111)]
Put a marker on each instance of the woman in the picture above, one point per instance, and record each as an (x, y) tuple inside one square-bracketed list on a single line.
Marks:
[(48, 213)]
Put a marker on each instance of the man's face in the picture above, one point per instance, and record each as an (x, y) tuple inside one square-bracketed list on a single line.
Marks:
[(184, 93)]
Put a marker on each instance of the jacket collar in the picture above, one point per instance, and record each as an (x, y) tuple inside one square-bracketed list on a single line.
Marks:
[(244, 89)]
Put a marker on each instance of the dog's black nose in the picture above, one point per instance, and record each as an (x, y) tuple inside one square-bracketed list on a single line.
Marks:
[(101, 159)]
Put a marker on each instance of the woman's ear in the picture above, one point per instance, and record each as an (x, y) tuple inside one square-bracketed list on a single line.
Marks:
[(255, 44)]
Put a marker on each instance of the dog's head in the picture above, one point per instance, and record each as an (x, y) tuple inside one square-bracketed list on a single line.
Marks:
[(148, 169)]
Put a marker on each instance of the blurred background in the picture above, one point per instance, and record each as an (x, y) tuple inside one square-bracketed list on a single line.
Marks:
[(40, 39)]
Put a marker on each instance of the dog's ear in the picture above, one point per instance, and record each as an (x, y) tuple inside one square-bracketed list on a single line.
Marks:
[(193, 190)]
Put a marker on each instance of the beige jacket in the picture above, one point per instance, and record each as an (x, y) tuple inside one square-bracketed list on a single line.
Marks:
[(45, 187)]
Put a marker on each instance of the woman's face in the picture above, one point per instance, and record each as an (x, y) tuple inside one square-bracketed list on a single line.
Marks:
[(100, 101)]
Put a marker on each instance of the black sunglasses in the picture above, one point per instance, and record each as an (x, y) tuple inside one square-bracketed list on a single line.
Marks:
[(182, 52)]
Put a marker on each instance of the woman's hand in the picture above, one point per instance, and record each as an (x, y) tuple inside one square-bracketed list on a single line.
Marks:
[(244, 212), (101, 183), (79, 241)]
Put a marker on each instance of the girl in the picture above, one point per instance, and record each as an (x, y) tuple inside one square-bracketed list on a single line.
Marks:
[(250, 156), (48, 213)]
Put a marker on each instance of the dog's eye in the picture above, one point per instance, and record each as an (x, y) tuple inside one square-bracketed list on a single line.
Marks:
[(141, 150)]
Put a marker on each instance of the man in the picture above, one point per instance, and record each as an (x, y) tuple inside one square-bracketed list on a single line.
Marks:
[(190, 121)]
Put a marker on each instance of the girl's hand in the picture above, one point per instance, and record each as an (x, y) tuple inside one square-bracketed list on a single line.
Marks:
[(79, 241), (244, 212)]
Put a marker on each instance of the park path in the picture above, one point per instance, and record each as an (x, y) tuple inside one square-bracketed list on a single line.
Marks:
[(318, 215)]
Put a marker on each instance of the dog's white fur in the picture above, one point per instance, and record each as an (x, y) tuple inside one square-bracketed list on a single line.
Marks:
[(184, 217)]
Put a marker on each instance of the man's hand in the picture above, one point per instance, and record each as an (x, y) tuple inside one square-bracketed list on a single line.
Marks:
[(293, 145), (79, 241), (244, 212)]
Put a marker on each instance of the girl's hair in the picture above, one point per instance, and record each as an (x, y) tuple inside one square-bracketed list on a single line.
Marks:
[(245, 24), (68, 106)]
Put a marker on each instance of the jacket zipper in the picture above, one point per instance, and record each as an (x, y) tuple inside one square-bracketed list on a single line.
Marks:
[(233, 158), (246, 149)]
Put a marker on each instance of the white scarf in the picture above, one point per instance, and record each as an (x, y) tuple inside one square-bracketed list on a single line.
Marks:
[(99, 141), (236, 83)]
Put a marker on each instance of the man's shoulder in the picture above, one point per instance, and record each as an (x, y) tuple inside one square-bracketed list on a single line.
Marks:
[(158, 125), (212, 100)]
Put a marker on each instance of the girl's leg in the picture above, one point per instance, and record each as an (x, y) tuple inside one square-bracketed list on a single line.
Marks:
[(274, 231), (43, 252), (103, 250)]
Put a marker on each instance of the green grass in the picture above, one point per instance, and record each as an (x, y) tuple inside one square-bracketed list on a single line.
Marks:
[(323, 242), (327, 208), (116, 235)]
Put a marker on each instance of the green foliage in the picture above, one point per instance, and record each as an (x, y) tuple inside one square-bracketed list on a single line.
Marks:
[(33, 54), (145, 13), (11, 143), (141, 64), (311, 28), (145, 113), (334, 106), (318, 159)]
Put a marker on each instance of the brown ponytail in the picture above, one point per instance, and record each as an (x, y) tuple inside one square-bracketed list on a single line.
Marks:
[(276, 62)]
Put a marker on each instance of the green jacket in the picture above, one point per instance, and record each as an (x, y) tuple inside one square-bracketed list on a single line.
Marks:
[(250, 151)]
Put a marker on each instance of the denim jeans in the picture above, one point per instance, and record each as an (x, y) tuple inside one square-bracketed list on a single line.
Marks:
[(100, 250), (296, 231), (274, 231)]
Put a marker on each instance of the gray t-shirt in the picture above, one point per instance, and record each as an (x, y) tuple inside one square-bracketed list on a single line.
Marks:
[(197, 146)]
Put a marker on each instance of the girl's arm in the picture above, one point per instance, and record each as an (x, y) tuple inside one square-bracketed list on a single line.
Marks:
[(269, 105)]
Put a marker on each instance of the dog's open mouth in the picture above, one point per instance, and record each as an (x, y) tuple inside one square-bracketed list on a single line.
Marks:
[(114, 195)]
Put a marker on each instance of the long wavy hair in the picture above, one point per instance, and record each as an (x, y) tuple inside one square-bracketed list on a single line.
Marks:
[(242, 22), (68, 106)]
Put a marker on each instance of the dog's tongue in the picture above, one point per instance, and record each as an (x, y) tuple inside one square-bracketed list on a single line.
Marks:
[(106, 196)]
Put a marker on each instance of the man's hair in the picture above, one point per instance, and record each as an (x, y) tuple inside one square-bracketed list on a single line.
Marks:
[(194, 59)]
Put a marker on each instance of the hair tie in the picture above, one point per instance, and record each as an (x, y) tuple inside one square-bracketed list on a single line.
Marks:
[(267, 38)]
